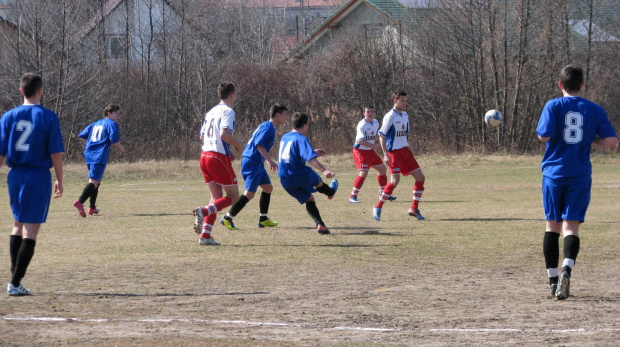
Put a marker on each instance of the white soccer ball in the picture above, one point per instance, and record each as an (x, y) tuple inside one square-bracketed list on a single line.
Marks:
[(493, 118)]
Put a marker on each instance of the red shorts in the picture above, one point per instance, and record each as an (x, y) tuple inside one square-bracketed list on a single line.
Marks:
[(217, 167), (403, 161), (365, 159)]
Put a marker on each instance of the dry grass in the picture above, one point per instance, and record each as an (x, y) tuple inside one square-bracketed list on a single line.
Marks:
[(140, 259)]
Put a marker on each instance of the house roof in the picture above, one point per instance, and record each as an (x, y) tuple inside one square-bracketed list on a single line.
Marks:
[(393, 10), (108, 7), (286, 3)]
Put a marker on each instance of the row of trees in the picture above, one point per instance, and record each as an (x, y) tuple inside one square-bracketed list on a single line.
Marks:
[(456, 59)]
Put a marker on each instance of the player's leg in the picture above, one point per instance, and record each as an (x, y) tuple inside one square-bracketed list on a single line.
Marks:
[(357, 185), (24, 256), (204, 223), (382, 179), (263, 206), (386, 194), (314, 213), (551, 251), (15, 243), (577, 199), (92, 209), (418, 189), (329, 190)]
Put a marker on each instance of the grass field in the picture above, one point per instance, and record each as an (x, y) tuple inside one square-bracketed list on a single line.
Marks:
[(471, 274)]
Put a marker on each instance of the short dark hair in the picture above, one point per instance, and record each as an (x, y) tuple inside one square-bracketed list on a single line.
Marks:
[(398, 94), (277, 108), (111, 108), (30, 83), (225, 89), (368, 107), (571, 78), (299, 120)]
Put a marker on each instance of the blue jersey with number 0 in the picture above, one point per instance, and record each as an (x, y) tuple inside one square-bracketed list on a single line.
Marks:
[(99, 136), (572, 123), (29, 134), (295, 151), (263, 136)]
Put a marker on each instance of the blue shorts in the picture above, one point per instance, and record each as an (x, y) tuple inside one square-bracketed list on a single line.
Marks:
[(254, 174), (95, 171), (566, 199), (30, 191), (301, 187)]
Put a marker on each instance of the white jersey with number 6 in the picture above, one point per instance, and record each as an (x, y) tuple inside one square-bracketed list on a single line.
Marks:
[(218, 118)]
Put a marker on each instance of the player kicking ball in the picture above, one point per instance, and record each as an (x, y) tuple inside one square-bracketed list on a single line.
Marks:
[(98, 137), (253, 169), (569, 126), (298, 179), (364, 154), (398, 157)]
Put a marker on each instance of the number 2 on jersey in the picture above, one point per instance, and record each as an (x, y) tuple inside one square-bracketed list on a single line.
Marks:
[(26, 128)]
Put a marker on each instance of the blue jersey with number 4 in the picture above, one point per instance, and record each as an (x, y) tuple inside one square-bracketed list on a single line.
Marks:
[(29, 134), (99, 136), (572, 123), (295, 151), (263, 136)]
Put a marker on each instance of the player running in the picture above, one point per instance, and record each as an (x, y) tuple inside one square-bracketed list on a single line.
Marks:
[(98, 137), (31, 142), (364, 154), (568, 125), (253, 169), (397, 155), (215, 162), (298, 179)]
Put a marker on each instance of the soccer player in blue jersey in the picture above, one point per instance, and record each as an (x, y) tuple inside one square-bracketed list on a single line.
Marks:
[(253, 169), (398, 157), (569, 126), (298, 179), (99, 136), (31, 142), (365, 156)]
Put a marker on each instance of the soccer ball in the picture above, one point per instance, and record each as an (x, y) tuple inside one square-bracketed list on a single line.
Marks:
[(493, 118)]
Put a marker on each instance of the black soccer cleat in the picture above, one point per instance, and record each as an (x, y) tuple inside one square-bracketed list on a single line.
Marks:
[(553, 288), (563, 290)]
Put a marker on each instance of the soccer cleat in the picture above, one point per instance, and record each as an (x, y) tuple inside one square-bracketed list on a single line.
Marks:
[(353, 199), (267, 223), (391, 198), (92, 211), (208, 242), (333, 185), (552, 290), (376, 213), (80, 208), (17, 291), (322, 229), (228, 223), (415, 213), (563, 290), (199, 220)]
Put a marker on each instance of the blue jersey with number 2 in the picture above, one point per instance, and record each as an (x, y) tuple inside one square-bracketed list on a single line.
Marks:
[(572, 123), (295, 151), (99, 136), (29, 134)]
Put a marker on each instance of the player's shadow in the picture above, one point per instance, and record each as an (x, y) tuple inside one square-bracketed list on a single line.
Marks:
[(360, 231), (483, 219), (131, 295), (160, 214)]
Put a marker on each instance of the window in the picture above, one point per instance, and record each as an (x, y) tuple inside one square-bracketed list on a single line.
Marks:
[(116, 47)]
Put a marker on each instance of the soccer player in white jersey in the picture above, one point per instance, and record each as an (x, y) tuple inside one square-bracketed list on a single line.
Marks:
[(397, 155), (31, 142), (215, 162), (364, 153), (568, 125)]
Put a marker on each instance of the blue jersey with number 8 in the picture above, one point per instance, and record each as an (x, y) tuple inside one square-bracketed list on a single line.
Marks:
[(29, 134), (572, 123)]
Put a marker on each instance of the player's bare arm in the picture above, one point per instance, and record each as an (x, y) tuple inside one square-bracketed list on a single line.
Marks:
[(1, 160), (316, 164), (229, 139), (544, 139), (272, 165), (319, 152), (57, 163), (606, 142), (120, 147), (368, 144), (386, 158)]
